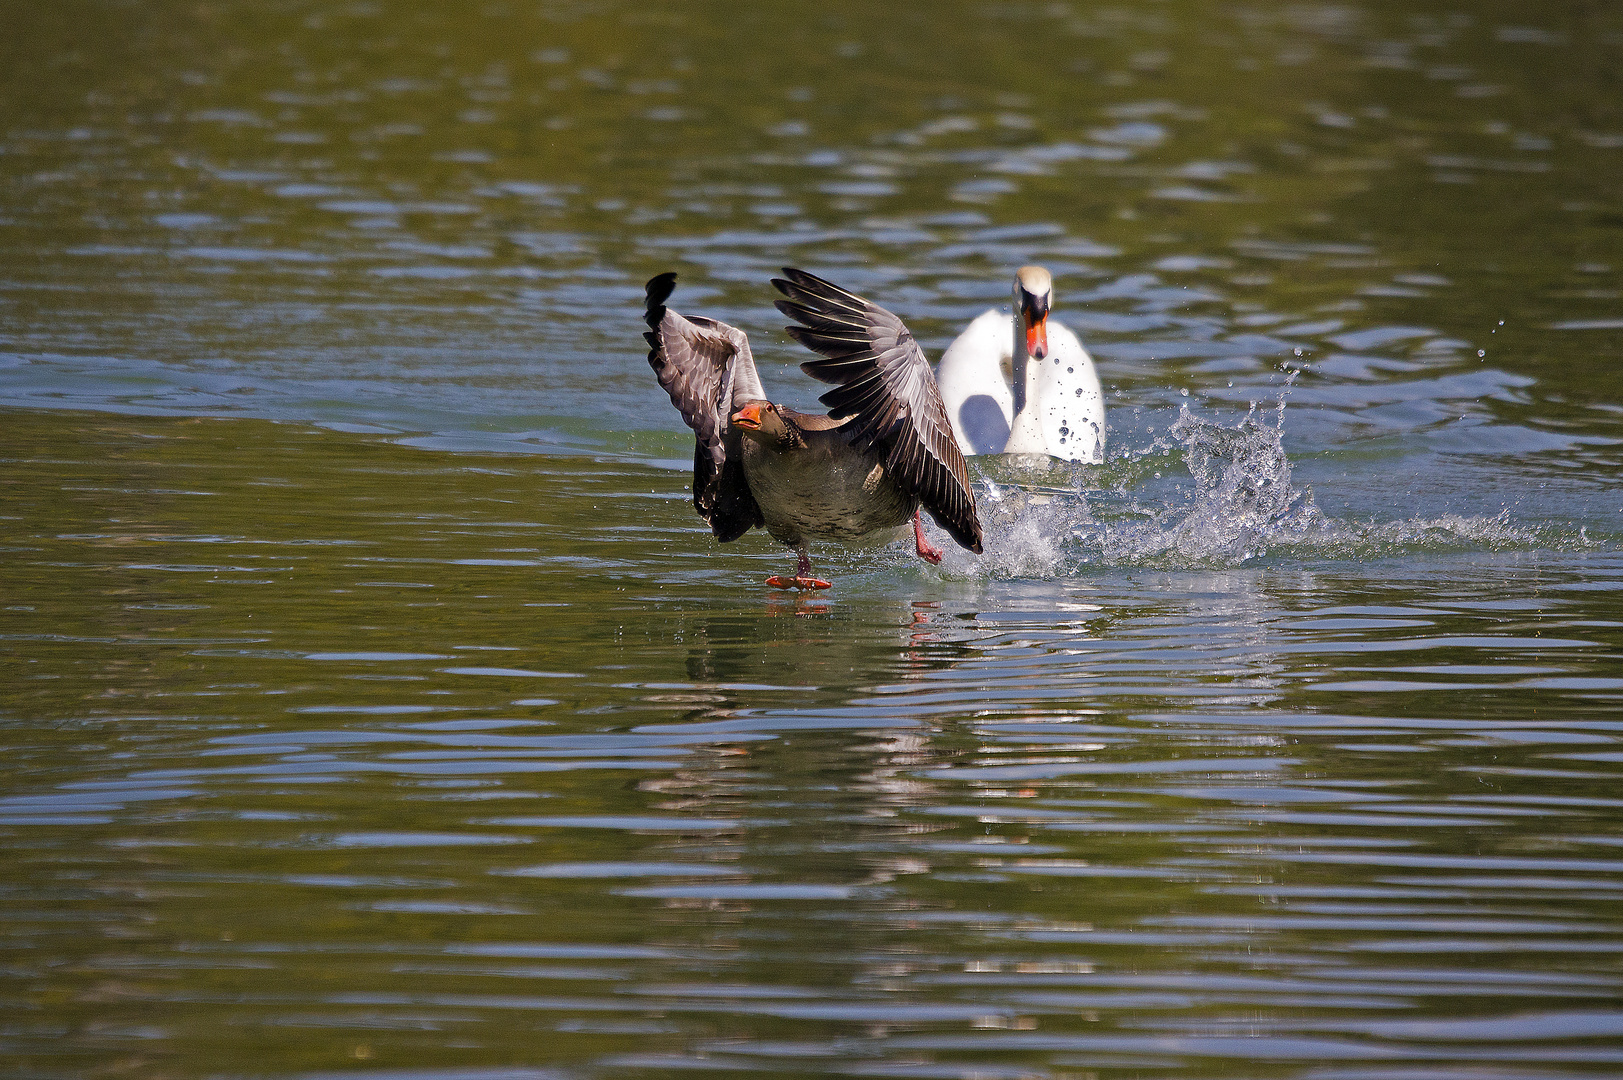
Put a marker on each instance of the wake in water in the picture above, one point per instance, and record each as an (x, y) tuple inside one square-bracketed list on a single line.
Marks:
[(1236, 505)]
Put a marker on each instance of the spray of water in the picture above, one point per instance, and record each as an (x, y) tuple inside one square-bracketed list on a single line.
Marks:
[(1236, 504)]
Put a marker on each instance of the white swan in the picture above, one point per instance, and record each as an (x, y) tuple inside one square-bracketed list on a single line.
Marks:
[(1052, 405)]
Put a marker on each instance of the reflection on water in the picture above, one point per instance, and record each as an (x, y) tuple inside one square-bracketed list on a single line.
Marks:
[(496, 762), (375, 704)]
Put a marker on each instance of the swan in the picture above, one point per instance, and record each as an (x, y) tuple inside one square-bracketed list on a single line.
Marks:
[(884, 450), (1052, 405)]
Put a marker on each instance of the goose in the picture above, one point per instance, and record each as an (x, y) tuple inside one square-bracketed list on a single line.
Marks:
[(1052, 405), (884, 450)]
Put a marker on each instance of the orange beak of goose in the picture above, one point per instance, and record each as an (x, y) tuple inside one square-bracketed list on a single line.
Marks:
[(748, 417)]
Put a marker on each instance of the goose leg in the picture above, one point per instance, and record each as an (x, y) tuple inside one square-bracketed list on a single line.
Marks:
[(928, 552), (802, 578)]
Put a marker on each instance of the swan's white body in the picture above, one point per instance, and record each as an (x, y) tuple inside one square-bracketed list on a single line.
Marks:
[(1051, 406)]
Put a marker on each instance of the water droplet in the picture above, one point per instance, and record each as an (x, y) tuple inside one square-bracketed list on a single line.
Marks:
[(1481, 353)]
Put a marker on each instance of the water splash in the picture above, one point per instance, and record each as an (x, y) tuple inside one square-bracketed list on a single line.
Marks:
[(1241, 504), (1237, 504)]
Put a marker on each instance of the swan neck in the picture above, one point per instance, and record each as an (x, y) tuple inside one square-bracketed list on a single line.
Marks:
[(1025, 373)]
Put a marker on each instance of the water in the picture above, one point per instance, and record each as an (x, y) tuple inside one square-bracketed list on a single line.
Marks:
[(376, 705)]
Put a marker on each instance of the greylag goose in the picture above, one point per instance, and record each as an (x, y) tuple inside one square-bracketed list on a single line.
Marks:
[(1052, 405), (884, 450)]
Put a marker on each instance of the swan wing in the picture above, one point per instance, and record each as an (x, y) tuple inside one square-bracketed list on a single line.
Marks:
[(706, 368), (976, 392), (1070, 404), (883, 382)]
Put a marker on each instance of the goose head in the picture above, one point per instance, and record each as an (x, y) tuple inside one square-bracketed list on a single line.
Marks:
[(764, 423), (1033, 294)]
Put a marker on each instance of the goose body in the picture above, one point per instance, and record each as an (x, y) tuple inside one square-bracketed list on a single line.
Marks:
[(1021, 383), (822, 489), (883, 452)]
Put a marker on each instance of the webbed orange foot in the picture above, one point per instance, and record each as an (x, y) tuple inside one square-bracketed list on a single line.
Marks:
[(927, 551), (778, 581)]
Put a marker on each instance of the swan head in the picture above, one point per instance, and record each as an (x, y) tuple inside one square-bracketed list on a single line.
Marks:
[(1033, 294)]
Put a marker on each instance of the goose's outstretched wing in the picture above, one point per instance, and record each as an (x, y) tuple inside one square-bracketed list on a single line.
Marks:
[(705, 366), (883, 380)]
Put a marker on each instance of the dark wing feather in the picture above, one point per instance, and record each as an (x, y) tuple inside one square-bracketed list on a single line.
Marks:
[(882, 379), (695, 360)]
